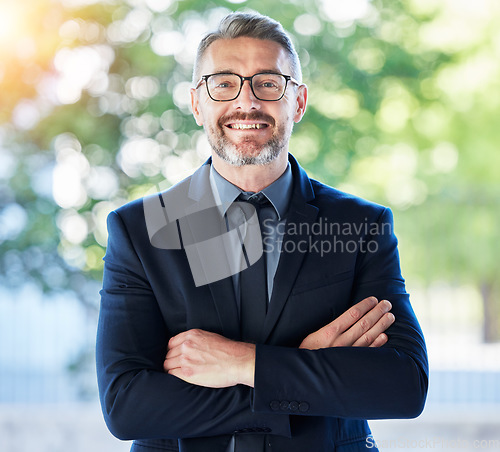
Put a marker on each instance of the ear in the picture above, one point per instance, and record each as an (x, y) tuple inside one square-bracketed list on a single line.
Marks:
[(301, 102), (195, 106)]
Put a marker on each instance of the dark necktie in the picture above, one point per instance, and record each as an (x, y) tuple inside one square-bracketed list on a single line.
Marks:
[(253, 280), (253, 298)]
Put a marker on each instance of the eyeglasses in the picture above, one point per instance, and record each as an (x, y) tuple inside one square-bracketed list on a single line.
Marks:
[(227, 86)]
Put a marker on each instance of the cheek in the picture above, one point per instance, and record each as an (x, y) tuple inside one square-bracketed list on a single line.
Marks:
[(284, 109), (212, 113), (284, 116)]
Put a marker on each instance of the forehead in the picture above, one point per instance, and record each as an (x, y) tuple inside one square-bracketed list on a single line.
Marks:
[(245, 56)]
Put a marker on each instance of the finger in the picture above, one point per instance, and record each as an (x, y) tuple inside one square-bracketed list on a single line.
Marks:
[(366, 313), (178, 339), (369, 337), (174, 352), (185, 374), (172, 363), (185, 348), (352, 315), (309, 343), (383, 324), (367, 322), (192, 336), (381, 340), (174, 372), (177, 372)]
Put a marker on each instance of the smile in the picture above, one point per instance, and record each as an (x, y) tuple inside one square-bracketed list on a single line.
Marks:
[(239, 126)]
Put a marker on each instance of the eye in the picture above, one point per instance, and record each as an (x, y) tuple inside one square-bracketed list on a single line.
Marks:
[(223, 82), (268, 85), (268, 82)]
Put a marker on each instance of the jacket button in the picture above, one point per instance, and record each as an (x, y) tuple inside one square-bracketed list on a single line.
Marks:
[(294, 405), (284, 405), (303, 407), (275, 405)]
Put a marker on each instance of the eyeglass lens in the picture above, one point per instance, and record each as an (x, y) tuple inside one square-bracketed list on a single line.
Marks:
[(227, 86)]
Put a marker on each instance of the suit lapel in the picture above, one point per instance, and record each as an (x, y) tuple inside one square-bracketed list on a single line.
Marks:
[(223, 296), (203, 220), (300, 214), (290, 262)]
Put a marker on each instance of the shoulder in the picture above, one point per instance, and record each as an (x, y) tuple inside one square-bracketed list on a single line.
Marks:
[(332, 199), (177, 195), (329, 200), (149, 220)]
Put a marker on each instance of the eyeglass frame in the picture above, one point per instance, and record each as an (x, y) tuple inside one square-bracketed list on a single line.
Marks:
[(288, 78)]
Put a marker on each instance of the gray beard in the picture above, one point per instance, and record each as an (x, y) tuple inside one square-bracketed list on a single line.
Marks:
[(231, 154)]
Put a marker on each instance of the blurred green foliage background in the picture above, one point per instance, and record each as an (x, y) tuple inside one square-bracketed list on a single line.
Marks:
[(404, 103)]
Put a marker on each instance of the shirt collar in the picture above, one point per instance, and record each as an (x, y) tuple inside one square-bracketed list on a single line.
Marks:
[(278, 193)]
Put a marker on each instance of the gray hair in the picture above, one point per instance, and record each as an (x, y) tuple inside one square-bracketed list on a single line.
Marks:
[(250, 25)]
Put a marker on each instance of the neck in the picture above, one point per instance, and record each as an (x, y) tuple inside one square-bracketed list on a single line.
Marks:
[(253, 178)]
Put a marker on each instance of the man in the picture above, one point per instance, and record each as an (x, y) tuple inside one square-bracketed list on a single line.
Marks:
[(205, 344)]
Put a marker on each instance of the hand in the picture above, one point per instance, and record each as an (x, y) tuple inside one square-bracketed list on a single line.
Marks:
[(208, 359), (362, 325)]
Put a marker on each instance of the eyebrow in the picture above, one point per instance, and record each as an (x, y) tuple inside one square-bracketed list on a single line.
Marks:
[(259, 71)]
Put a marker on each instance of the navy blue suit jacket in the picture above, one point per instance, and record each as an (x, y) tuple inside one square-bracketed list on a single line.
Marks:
[(303, 400)]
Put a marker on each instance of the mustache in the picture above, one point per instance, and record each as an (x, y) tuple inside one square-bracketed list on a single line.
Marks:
[(240, 116)]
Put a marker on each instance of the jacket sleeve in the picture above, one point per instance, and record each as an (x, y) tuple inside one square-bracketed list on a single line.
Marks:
[(139, 400), (354, 382)]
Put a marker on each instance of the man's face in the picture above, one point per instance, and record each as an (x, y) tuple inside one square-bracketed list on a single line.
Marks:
[(247, 130)]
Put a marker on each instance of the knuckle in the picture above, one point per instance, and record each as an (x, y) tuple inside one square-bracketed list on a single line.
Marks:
[(355, 313), (329, 334), (333, 330), (364, 324), (185, 362), (367, 340)]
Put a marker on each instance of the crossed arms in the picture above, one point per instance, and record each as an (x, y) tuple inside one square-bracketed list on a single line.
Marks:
[(208, 359)]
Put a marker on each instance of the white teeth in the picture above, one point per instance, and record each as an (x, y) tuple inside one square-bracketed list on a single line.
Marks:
[(247, 126)]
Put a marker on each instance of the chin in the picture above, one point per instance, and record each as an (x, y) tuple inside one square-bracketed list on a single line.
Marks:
[(234, 157), (248, 153)]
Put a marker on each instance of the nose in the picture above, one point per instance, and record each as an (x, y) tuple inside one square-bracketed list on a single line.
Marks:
[(246, 100)]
